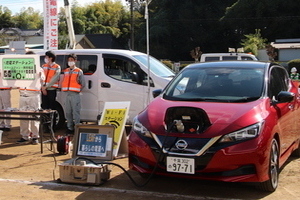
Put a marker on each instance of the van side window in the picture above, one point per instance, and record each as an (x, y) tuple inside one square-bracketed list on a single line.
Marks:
[(61, 60), (87, 63), (124, 69)]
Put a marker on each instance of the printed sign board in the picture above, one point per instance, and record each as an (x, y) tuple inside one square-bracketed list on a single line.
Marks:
[(19, 70), (92, 144), (115, 113)]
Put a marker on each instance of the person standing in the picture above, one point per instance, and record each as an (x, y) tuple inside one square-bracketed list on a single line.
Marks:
[(5, 102), (52, 72), (73, 83), (294, 75), (30, 99)]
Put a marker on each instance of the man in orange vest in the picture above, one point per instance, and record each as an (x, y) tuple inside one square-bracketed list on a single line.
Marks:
[(73, 83), (52, 72), (5, 102), (30, 99)]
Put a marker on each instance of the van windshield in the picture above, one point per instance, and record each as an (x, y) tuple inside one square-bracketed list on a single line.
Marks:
[(156, 66)]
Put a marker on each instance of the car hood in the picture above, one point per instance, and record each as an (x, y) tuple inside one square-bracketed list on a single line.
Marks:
[(224, 117)]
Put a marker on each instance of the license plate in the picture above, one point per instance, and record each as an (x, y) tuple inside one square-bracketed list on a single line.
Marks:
[(181, 165)]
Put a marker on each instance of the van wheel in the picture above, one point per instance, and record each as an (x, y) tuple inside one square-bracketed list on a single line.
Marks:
[(271, 184), (59, 117)]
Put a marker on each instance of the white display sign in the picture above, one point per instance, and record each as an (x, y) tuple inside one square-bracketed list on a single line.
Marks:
[(20, 71), (50, 25)]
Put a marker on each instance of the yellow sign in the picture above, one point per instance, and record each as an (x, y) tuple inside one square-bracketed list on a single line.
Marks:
[(115, 113)]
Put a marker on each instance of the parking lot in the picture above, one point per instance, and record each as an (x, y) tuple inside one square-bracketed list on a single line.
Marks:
[(25, 173)]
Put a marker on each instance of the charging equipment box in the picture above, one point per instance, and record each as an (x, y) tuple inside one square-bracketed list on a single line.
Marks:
[(90, 143)]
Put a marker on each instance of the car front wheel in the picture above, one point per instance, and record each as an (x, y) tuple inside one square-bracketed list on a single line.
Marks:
[(271, 184)]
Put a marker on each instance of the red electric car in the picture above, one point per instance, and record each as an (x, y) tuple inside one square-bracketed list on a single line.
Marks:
[(235, 121)]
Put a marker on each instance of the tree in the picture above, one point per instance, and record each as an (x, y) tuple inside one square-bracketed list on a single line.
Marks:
[(196, 53), (28, 19), (177, 26), (253, 42), (105, 17), (275, 18), (5, 18)]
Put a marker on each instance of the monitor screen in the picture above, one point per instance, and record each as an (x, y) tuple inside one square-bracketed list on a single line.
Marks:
[(93, 141)]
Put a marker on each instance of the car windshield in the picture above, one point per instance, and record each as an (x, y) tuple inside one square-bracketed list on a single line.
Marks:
[(156, 66), (217, 84)]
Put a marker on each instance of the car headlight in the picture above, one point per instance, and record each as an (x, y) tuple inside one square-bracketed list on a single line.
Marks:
[(243, 134), (140, 129)]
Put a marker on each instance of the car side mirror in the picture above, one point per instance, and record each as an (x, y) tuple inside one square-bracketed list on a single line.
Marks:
[(135, 77), (285, 97), (156, 92)]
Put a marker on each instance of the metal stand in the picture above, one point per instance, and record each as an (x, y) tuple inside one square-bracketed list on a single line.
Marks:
[(44, 116)]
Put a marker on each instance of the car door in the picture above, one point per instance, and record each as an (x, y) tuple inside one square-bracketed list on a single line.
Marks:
[(88, 63), (124, 80), (285, 112)]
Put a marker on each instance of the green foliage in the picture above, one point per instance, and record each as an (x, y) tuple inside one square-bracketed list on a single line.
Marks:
[(28, 19), (168, 63), (176, 26), (253, 42), (5, 18), (275, 18)]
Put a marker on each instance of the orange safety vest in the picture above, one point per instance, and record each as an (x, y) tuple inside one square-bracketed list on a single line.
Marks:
[(70, 82), (50, 72)]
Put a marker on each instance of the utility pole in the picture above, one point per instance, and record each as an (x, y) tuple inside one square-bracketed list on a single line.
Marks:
[(148, 44), (131, 25)]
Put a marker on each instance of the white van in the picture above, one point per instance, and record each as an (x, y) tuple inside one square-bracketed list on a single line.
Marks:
[(112, 75), (209, 57)]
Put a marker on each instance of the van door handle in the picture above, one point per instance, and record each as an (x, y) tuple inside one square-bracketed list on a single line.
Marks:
[(105, 85), (90, 84)]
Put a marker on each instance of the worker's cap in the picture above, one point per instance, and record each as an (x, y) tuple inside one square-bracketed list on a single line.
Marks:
[(294, 69)]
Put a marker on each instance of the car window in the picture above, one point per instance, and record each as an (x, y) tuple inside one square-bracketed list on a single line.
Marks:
[(124, 69), (212, 58), (225, 84), (246, 58), (278, 82), (229, 58)]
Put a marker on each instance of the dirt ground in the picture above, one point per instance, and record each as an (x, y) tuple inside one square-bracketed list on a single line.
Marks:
[(26, 173)]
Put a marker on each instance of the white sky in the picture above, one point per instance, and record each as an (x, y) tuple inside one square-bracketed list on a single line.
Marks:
[(16, 5)]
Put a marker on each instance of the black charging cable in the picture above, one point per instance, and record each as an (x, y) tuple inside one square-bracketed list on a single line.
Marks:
[(126, 172)]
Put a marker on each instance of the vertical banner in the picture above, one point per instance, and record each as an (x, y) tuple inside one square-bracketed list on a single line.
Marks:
[(50, 25), (115, 113)]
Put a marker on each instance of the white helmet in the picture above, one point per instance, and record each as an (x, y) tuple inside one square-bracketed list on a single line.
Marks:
[(294, 69)]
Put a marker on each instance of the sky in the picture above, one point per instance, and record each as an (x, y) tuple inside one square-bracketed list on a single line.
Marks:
[(16, 5)]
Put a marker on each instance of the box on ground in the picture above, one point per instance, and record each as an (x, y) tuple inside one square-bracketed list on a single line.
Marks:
[(89, 174), (92, 146)]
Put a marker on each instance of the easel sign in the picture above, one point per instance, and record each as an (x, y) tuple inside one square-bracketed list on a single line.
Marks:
[(93, 141), (115, 113), (19, 70)]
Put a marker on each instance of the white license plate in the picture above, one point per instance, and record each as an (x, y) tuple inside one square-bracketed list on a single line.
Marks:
[(181, 165)]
